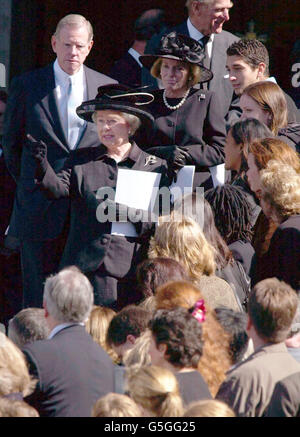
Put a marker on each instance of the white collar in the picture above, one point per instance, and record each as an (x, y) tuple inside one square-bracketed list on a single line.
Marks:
[(61, 77), (194, 32), (135, 55), (271, 79), (62, 326)]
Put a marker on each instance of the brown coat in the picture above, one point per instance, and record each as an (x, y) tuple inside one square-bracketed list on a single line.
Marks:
[(249, 386)]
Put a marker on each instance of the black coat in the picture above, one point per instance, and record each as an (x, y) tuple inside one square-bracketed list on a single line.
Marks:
[(127, 71), (90, 243), (283, 257), (73, 372), (291, 135), (197, 126), (220, 83), (32, 108)]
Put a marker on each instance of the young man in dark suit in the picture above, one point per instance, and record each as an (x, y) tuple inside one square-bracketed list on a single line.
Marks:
[(42, 103), (205, 20), (73, 371)]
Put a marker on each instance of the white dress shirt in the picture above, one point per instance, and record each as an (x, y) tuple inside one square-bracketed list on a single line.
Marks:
[(135, 55), (61, 89), (195, 34)]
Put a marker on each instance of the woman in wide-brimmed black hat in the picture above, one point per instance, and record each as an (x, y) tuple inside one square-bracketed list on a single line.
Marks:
[(108, 260), (187, 119)]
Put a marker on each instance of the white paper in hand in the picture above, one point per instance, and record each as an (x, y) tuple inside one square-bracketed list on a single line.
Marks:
[(136, 189), (218, 174), (184, 183)]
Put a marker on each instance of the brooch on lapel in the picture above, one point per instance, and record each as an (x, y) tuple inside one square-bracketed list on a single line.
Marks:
[(151, 159), (201, 97)]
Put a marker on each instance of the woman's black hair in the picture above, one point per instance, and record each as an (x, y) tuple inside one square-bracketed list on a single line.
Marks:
[(244, 132), (182, 335), (232, 212)]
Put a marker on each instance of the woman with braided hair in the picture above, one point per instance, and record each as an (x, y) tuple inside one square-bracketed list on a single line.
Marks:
[(232, 214)]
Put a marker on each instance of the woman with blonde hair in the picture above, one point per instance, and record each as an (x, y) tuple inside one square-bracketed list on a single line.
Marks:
[(266, 102), (97, 326), (183, 240), (16, 408), (138, 355), (156, 390), (209, 408), (15, 380), (116, 405), (216, 358), (280, 200)]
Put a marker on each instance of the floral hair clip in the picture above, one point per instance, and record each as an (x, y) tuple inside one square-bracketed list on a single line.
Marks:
[(199, 311)]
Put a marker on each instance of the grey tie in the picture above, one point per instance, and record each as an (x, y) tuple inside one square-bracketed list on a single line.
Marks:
[(75, 124)]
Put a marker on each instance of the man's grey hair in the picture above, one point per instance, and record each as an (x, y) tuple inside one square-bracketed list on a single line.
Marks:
[(68, 296), (189, 2), (74, 20), (28, 325)]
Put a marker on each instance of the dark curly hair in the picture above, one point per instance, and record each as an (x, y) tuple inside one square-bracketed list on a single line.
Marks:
[(182, 335)]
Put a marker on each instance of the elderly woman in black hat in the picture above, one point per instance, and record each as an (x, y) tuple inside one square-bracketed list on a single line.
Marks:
[(188, 120), (108, 260)]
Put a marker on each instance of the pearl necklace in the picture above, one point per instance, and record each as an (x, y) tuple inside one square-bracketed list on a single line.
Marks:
[(179, 104)]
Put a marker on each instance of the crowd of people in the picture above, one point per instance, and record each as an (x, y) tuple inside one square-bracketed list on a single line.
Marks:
[(187, 307)]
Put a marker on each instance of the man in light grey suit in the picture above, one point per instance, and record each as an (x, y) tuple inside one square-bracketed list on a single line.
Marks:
[(206, 19), (42, 103)]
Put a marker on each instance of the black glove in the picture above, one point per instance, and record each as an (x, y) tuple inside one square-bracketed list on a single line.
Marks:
[(38, 150), (175, 156), (164, 152)]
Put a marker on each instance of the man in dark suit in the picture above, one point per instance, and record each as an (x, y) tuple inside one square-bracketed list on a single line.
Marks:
[(72, 370), (43, 103), (206, 19), (128, 69)]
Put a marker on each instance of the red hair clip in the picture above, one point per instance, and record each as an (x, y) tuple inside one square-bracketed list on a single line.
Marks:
[(199, 311)]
